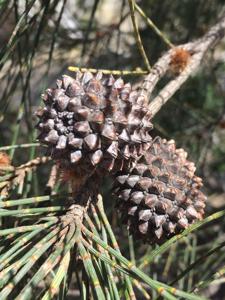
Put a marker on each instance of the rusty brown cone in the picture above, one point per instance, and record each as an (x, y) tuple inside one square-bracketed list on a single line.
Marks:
[(94, 122), (160, 196)]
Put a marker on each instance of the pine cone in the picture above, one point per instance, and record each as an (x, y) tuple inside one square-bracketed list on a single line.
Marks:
[(160, 196), (94, 121)]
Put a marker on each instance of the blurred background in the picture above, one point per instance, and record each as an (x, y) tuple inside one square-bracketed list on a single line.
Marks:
[(40, 39)]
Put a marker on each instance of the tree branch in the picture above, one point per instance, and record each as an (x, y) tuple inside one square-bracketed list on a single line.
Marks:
[(197, 50)]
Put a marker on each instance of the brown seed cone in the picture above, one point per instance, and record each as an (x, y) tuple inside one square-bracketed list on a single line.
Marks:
[(94, 121), (160, 196)]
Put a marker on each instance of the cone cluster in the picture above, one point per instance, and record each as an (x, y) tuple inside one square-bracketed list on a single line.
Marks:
[(160, 196), (94, 121)]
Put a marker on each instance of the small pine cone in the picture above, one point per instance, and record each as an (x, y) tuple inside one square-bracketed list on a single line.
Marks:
[(94, 121), (160, 196)]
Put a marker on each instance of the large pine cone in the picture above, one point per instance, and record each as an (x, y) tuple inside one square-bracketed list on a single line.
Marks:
[(160, 196), (94, 121)]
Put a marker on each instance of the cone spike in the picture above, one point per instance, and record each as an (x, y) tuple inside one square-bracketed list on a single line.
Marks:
[(75, 156)]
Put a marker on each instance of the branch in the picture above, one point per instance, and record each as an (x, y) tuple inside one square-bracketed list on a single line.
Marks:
[(137, 34), (197, 50)]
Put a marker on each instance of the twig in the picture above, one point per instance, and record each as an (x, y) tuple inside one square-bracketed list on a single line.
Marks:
[(167, 92), (89, 27), (138, 71), (52, 178), (17, 174), (154, 76), (5, 148), (34, 162), (198, 49), (137, 35), (153, 26)]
